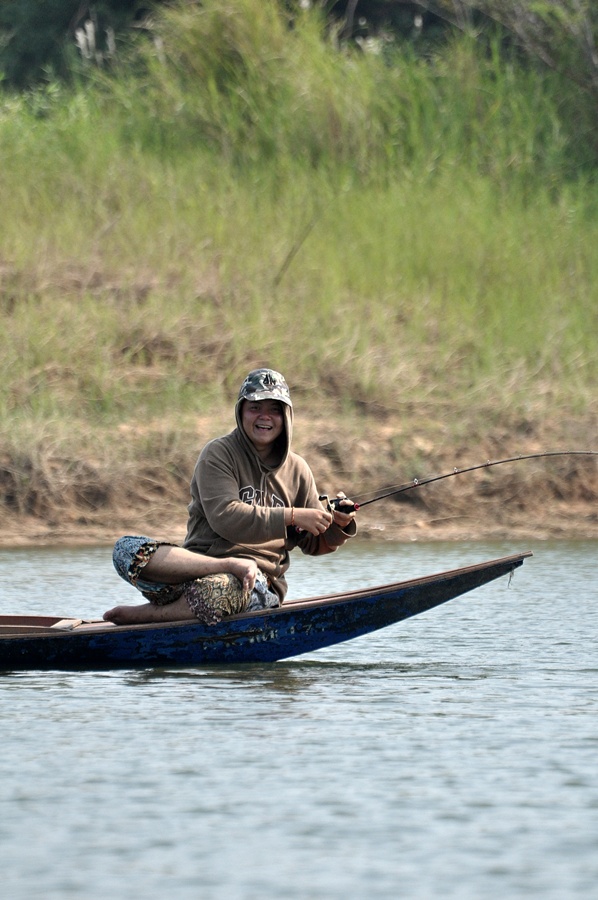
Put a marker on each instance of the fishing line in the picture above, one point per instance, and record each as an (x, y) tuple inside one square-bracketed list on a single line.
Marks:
[(383, 493)]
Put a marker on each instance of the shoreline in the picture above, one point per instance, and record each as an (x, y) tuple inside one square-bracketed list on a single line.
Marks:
[(564, 521), (89, 504)]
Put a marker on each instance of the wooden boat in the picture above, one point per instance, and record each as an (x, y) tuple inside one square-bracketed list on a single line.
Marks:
[(301, 626)]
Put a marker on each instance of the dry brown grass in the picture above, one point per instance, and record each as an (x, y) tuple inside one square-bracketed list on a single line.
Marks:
[(137, 480)]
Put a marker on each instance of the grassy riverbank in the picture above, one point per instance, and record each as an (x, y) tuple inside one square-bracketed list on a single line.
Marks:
[(412, 244)]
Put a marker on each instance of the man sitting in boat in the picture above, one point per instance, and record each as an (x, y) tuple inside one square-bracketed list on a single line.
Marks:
[(252, 501)]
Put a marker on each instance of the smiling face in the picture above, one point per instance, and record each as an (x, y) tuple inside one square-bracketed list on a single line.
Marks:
[(263, 423)]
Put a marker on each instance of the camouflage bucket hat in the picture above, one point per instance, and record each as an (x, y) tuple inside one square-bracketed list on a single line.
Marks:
[(265, 384)]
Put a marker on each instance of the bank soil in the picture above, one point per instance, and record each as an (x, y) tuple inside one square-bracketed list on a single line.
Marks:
[(545, 498)]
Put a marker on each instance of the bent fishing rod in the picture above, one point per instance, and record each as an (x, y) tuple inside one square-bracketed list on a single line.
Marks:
[(338, 503)]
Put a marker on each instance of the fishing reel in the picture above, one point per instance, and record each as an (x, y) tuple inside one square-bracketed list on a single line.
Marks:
[(338, 504)]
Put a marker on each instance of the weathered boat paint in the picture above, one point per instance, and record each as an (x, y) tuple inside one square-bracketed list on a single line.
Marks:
[(295, 628)]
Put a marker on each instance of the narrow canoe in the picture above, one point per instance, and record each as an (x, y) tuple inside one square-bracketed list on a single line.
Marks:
[(301, 626)]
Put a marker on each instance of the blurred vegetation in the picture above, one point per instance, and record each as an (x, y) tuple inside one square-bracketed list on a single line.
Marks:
[(44, 38), (410, 237)]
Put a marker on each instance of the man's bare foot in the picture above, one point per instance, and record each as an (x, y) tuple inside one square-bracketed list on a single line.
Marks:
[(128, 615), (148, 612)]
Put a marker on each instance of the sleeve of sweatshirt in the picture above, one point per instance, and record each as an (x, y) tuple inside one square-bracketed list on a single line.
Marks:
[(334, 536), (217, 478)]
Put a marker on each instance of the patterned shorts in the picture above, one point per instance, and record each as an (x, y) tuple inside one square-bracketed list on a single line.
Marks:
[(210, 598)]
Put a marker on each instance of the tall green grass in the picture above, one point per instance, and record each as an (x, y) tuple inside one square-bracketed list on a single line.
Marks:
[(258, 85), (386, 230)]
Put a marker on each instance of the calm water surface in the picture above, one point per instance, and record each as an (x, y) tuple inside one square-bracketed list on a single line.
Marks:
[(451, 756)]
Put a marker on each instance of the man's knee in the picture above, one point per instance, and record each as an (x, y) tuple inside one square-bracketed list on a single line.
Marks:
[(130, 554)]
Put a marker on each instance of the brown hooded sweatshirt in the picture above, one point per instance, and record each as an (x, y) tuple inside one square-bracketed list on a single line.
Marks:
[(237, 504)]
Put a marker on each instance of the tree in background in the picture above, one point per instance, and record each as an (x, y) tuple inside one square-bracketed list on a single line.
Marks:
[(44, 38), (40, 38), (563, 34)]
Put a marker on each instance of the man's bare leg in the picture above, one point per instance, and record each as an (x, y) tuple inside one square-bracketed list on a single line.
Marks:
[(174, 565)]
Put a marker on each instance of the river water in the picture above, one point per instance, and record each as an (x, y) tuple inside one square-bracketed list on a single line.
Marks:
[(451, 756)]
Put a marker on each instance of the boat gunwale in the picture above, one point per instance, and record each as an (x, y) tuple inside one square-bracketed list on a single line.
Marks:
[(64, 627)]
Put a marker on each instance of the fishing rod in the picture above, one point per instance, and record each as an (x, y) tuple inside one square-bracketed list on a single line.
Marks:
[(337, 503)]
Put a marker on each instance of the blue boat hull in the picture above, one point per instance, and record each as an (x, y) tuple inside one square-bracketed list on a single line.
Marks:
[(295, 628)]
